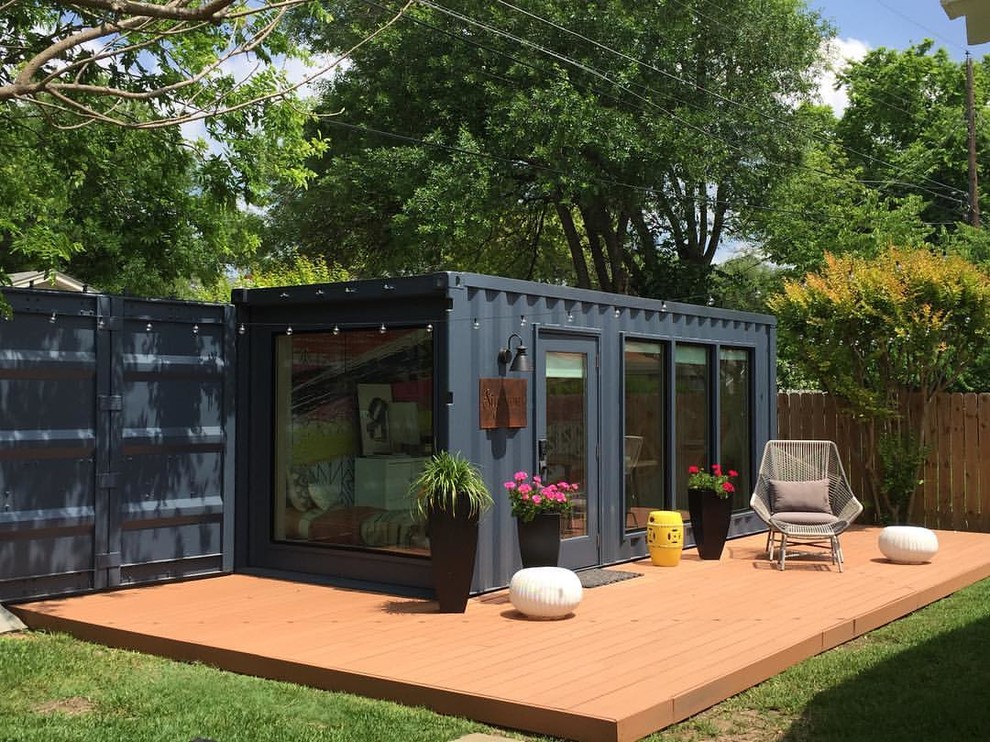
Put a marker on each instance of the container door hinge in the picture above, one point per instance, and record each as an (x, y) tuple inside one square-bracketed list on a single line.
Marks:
[(109, 560), (111, 402), (107, 480)]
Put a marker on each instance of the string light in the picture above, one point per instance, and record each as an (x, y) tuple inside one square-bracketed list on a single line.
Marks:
[(336, 330), (288, 330), (52, 318), (242, 329), (618, 313), (195, 329), (429, 328), (522, 320), (570, 316), (147, 327), (711, 301), (476, 324), (381, 330), (663, 305)]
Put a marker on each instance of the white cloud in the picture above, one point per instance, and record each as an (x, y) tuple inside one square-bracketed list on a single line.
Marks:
[(839, 52)]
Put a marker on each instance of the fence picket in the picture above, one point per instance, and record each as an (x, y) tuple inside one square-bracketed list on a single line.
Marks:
[(955, 493)]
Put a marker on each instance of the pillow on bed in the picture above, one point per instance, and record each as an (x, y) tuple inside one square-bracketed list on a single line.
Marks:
[(799, 497)]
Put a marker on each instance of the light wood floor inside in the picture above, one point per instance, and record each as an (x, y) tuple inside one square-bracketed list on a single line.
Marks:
[(635, 657)]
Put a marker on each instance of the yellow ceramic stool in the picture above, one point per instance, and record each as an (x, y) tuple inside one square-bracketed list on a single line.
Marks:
[(665, 537)]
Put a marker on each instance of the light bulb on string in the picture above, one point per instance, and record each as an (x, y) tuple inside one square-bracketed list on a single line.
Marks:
[(522, 320), (429, 327), (336, 330), (381, 330), (288, 330), (476, 324)]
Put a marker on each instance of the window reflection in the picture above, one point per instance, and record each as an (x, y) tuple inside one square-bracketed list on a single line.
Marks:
[(692, 415), (734, 423), (643, 443), (354, 425)]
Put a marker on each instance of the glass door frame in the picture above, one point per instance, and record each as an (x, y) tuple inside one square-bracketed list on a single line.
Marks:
[(580, 551)]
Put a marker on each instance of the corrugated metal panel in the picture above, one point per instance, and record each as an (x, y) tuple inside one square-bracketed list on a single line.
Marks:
[(114, 458), (48, 419)]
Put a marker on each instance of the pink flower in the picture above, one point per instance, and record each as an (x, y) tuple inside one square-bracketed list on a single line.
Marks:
[(717, 469), (733, 473), (519, 476), (693, 470), (537, 499), (509, 485), (538, 480), (524, 496), (727, 487), (525, 489)]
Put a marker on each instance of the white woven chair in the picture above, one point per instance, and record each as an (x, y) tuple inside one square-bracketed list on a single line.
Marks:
[(789, 466)]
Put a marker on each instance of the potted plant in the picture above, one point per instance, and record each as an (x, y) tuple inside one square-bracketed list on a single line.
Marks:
[(537, 508), (451, 495), (710, 506)]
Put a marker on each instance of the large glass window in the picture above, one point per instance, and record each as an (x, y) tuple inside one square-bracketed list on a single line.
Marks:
[(734, 420), (692, 414), (643, 443), (353, 427), (567, 424)]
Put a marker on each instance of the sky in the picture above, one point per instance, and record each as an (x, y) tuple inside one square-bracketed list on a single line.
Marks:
[(862, 25), (897, 24)]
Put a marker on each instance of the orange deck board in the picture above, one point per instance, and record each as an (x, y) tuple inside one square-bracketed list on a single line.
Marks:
[(636, 655)]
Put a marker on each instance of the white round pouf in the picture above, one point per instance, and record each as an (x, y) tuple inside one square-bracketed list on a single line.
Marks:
[(908, 544), (545, 592)]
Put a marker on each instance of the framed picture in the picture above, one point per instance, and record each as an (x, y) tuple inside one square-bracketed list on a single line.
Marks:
[(374, 403)]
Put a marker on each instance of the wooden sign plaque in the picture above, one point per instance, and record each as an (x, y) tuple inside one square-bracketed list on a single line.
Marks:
[(502, 403)]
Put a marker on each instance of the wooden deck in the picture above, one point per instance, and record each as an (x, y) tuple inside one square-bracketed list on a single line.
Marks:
[(635, 657)]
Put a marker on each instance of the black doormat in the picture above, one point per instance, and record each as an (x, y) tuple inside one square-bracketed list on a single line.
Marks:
[(598, 577)]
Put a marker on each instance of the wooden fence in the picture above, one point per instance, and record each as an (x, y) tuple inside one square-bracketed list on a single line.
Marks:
[(955, 494)]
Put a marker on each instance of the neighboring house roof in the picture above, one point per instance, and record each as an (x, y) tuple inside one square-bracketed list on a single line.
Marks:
[(977, 13), (41, 280)]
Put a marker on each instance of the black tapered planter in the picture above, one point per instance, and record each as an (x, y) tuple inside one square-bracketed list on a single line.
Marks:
[(710, 517), (539, 540), (453, 548)]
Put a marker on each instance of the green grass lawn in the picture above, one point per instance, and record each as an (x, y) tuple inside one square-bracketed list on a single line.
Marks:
[(925, 677)]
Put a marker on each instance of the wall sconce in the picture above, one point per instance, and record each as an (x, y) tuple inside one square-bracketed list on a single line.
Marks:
[(521, 360)]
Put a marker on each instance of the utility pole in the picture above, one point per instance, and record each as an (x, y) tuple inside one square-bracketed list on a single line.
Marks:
[(974, 195)]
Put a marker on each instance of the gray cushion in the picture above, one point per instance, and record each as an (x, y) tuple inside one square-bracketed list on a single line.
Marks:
[(799, 497), (805, 518)]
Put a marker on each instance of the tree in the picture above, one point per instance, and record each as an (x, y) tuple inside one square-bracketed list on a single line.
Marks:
[(827, 206), (615, 138), (188, 60), (885, 334), (123, 210), (905, 128)]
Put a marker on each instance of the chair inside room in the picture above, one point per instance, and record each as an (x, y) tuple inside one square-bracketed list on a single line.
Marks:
[(803, 496), (633, 447)]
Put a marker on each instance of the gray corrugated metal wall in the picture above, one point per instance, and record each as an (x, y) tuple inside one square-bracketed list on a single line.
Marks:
[(115, 462)]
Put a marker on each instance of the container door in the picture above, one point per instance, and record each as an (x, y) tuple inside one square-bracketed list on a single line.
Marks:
[(567, 428)]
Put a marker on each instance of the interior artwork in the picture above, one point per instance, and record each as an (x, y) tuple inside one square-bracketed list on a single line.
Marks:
[(374, 401), (354, 426)]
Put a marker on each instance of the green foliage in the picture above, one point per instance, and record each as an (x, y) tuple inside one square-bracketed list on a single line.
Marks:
[(445, 476), (518, 146), (121, 210), (84, 62), (876, 330), (905, 127), (901, 457)]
